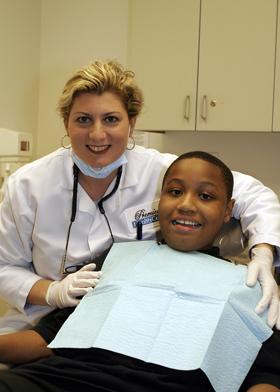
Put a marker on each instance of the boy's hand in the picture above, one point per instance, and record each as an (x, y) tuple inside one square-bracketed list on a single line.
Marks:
[(64, 292), (260, 268)]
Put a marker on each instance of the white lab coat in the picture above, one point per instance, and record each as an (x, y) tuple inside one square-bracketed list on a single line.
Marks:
[(36, 210)]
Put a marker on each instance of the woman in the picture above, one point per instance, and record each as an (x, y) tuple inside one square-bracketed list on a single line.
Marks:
[(67, 208)]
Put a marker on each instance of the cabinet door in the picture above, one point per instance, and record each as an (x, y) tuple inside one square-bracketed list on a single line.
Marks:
[(163, 53), (276, 111), (236, 65)]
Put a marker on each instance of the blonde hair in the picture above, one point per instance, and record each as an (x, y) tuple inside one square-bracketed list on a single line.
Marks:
[(100, 77)]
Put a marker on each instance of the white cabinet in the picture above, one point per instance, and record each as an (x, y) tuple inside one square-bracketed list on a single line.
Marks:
[(204, 65), (163, 53)]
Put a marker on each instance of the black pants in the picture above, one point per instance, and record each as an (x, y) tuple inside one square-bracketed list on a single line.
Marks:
[(121, 374)]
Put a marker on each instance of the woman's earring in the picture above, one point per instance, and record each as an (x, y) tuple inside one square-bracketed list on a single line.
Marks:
[(131, 143), (65, 144)]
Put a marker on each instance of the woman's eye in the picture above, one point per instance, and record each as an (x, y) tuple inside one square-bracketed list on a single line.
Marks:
[(83, 120), (111, 119), (205, 196)]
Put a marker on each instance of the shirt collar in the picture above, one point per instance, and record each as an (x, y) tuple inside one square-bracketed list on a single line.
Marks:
[(130, 174), (213, 251), (67, 169)]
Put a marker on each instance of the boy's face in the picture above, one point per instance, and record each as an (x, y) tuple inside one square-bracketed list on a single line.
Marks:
[(193, 205)]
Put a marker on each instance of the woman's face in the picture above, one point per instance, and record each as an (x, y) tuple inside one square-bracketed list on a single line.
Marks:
[(99, 128)]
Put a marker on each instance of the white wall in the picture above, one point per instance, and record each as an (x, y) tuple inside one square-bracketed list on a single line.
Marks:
[(74, 33), (19, 65), (253, 153)]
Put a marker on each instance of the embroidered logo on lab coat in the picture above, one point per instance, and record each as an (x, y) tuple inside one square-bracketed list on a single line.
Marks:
[(147, 214), (145, 217)]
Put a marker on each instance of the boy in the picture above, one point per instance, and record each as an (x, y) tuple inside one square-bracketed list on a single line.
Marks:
[(195, 202)]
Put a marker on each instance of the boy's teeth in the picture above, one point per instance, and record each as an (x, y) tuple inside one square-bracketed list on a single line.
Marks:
[(185, 222)]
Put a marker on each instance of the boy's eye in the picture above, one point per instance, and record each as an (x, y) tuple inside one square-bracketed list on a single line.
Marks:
[(175, 192), (205, 196)]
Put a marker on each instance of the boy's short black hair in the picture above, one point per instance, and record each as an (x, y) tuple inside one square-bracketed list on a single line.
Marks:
[(205, 156)]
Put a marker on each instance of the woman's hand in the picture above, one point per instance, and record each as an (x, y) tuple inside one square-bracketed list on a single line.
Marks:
[(64, 292), (260, 268)]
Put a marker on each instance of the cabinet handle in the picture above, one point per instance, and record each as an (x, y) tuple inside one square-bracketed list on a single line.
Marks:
[(187, 108), (204, 108)]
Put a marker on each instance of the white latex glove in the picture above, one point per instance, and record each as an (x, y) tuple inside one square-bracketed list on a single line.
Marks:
[(64, 293), (260, 268)]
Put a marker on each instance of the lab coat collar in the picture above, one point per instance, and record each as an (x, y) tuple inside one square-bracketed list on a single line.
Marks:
[(130, 174), (67, 169)]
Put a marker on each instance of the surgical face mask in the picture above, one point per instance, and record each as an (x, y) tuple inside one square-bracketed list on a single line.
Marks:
[(102, 172)]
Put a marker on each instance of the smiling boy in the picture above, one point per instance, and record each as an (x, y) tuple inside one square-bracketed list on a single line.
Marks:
[(195, 201)]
